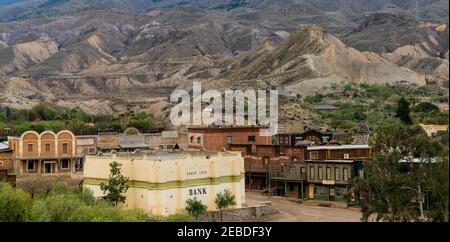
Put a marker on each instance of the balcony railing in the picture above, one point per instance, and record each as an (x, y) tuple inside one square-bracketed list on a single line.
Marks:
[(262, 168), (291, 176)]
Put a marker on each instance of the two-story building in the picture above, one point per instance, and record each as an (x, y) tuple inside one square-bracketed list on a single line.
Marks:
[(326, 174), (260, 160), (218, 138), (45, 153)]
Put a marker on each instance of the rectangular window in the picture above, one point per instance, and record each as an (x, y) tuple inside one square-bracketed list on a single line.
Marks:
[(30, 147), (30, 165), (336, 173), (65, 164), (345, 174), (320, 173), (361, 173), (281, 140), (65, 148), (229, 139), (314, 155), (282, 150), (291, 169), (328, 173), (311, 172), (286, 140), (251, 138), (47, 147), (302, 170)]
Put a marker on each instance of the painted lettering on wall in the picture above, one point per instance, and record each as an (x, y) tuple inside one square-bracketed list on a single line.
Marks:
[(193, 173), (197, 191)]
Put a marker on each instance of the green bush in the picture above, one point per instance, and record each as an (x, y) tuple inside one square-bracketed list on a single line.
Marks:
[(13, 204)]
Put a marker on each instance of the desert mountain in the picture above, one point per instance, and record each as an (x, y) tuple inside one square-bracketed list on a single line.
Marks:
[(107, 55), (311, 59)]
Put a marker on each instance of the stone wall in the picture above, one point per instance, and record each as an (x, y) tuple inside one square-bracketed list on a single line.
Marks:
[(246, 214)]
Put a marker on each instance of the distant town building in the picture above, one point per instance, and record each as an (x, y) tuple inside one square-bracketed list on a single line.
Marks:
[(161, 182), (218, 138), (46, 153), (362, 134), (433, 130)]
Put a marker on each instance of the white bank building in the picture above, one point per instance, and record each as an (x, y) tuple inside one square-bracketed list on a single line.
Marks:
[(161, 183)]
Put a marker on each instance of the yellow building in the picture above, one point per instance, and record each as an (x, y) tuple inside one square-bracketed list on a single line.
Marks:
[(161, 183), (433, 130)]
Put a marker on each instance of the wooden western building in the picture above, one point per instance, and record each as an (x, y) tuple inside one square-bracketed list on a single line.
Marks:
[(45, 153), (218, 138), (338, 152), (330, 180), (7, 173), (326, 174), (260, 160)]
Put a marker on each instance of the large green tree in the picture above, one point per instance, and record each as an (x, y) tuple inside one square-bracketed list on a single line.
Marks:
[(404, 111), (398, 172), (117, 185)]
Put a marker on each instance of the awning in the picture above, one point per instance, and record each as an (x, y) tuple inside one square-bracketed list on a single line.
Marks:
[(134, 145), (107, 147)]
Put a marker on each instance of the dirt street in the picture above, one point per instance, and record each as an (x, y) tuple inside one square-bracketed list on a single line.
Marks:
[(295, 212)]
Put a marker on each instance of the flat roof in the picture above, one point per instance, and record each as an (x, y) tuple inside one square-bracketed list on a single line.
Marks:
[(164, 154), (331, 161), (338, 147)]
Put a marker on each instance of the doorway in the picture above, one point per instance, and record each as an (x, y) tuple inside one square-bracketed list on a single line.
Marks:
[(48, 168), (332, 194)]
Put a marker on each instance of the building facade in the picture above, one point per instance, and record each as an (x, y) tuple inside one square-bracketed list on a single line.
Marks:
[(131, 139), (330, 180), (7, 172), (161, 182), (338, 152), (220, 137), (260, 160), (46, 153)]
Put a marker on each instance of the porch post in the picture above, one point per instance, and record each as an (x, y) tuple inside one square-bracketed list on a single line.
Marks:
[(285, 188), (303, 195), (57, 165)]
